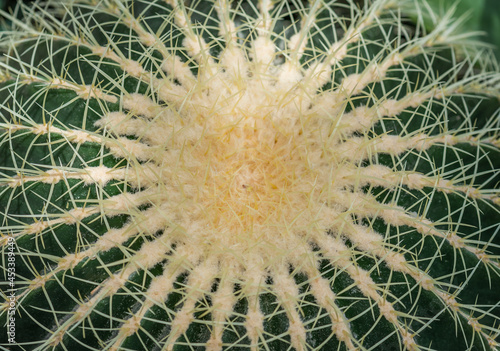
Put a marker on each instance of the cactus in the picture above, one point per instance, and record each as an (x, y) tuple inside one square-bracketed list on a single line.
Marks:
[(247, 175)]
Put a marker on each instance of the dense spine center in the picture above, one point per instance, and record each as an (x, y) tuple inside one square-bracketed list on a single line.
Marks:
[(244, 172), (253, 172), (248, 179), (245, 149)]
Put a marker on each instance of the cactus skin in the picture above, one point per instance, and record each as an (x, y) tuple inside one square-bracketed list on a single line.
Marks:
[(267, 176)]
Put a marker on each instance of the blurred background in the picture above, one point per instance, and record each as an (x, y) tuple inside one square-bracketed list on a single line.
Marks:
[(481, 16)]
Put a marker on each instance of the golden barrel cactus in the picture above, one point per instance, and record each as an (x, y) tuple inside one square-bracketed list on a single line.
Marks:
[(247, 175)]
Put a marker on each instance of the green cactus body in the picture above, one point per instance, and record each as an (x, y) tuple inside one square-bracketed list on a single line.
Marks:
[(247, 175)]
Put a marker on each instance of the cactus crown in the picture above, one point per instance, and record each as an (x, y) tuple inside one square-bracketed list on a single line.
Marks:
[(261, 175)]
